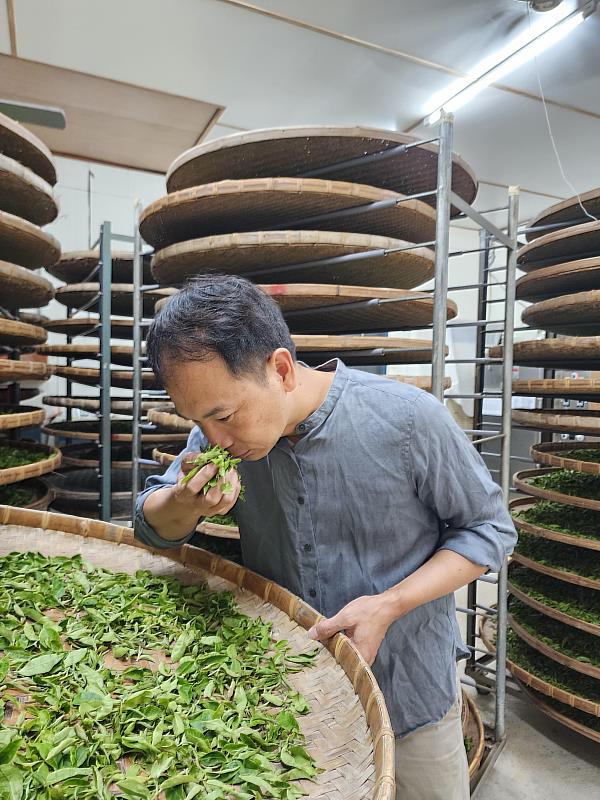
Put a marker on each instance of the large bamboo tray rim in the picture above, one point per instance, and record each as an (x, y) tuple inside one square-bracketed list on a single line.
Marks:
[(522, 483), (559, 279), (566, 661), (569, 699), (165, 416), (11, 370), (91, 376), (86, 455), (21, 417), (19, 143), (117, 405), (275, 142), (78, 266), (25, 194), (549, 611), (200, 561), (548, 453), (36, 468), (566, 350), (557, 387), (566, 211), (23, 288), (77, 430), (553, 572), (476, 754), (25, 244), (13, 331), (237, 206), (121, 327), (548, 533), (562, 245), (560, 420), (249, 252), (554, 714), (573, 312)]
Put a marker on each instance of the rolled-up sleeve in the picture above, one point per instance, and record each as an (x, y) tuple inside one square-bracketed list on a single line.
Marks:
[(141, 529), (451, 478)]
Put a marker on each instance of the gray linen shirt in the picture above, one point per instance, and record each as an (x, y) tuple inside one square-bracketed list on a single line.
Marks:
[(381, 479)]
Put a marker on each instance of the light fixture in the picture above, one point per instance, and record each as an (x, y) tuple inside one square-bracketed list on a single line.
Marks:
[(555, 26)]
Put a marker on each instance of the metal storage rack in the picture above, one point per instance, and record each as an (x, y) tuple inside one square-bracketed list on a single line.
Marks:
[(480, 674)]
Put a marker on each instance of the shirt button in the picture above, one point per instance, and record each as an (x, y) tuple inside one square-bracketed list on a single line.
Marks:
[(302, 427), (307, 548), (301, 500), (313, 593)]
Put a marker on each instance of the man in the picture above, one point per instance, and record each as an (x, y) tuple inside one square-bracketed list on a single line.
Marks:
[(363, 497)]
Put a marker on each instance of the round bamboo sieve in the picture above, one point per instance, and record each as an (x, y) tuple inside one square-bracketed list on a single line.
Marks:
[(23, 288), (560, 279), (523, 503), (25, 244), (50, 462), (566, 244), (566, 212), (25, 194), (549, 454), (12, 417), (569, 352), (348, 728), (19, 143)]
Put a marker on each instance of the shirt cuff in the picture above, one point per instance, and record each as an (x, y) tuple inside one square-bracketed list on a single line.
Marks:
[(479, 545), (146, 534)]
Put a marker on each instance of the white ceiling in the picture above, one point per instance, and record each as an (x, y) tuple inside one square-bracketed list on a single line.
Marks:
[(268, 71)]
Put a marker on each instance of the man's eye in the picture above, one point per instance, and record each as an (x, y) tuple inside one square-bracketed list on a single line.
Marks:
[(225, 419)]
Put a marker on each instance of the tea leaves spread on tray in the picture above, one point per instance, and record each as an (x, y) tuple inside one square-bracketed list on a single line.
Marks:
[(16, 496), (137, 687), (14, 456), (575, 601), (560, 556), (566, 481), (562, 518)]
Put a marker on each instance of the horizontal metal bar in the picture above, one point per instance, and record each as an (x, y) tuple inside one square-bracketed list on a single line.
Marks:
[(479, 650), (475, 286), (495, 269), (484, 667), (470, 612), (455, 253), (549, 261), (474, 396), (553, 225), (473, 361), (493, 210), (369, 158), (491, 438), (501, 300), (487, 609), (120, 237), (484, 223)]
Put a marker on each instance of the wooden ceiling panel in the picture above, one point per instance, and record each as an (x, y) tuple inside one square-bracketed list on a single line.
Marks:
[(108, 121)]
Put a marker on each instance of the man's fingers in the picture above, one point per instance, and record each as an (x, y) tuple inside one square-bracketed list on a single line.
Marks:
[(197, 483), (187, 462), (326, 628)]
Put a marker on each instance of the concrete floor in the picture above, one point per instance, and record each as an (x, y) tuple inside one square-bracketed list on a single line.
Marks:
[(541, 760)]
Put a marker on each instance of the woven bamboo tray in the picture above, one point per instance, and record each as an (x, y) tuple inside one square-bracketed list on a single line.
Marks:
[(487, 631), (164, 415), (348, 729), (255, 205), (550, 652), (25, 244), (25, 393), (81, 486), (166, 455), (86, 296), (32, 317), (579, 421), (296, 150), (15, 333), (86, 326), (573, 314), (576, 388), (567, 244), (554, 572), (25, 194), (12, 416), (248, 254), (19, 143), (119, 354), (117, 406), (231, 532), (24, 370), (560, 616), (570, 352), (407, 351), (22, 288), (41, 494), (522, 483), (35, 469), (86, 455), (90, 430), (553, 713), (568, 212), (522, 503), (549, 454), (321, 308), (91, 377), (573, 700), (560, 279), (80, 266)]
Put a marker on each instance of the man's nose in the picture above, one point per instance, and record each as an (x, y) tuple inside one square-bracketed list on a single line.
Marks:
[(216, 436)]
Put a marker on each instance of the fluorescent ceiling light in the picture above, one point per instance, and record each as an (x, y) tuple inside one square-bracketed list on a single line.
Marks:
[(554, 27)]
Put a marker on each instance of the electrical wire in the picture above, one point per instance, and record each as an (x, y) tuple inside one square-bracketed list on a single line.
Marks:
[(550, 133)]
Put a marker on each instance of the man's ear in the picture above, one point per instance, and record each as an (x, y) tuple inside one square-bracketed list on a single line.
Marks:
[(283, 366)]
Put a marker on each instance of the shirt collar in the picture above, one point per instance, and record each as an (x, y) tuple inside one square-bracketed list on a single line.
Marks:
[(324, 410)]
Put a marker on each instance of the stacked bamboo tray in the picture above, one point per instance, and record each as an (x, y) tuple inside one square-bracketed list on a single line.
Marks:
[(252, 205), (554, 577), (75, 489), (27, 202)]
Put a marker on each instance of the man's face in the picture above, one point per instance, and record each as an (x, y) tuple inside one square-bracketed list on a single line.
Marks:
[(243, 414)]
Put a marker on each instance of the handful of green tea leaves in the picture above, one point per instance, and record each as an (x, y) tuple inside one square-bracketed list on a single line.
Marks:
[(223, 460)]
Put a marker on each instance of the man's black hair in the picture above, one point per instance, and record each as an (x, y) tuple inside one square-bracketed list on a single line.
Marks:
[(218, 315)]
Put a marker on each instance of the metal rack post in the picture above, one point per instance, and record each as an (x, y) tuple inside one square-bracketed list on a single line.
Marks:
[(104, 441), (136, 448)]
